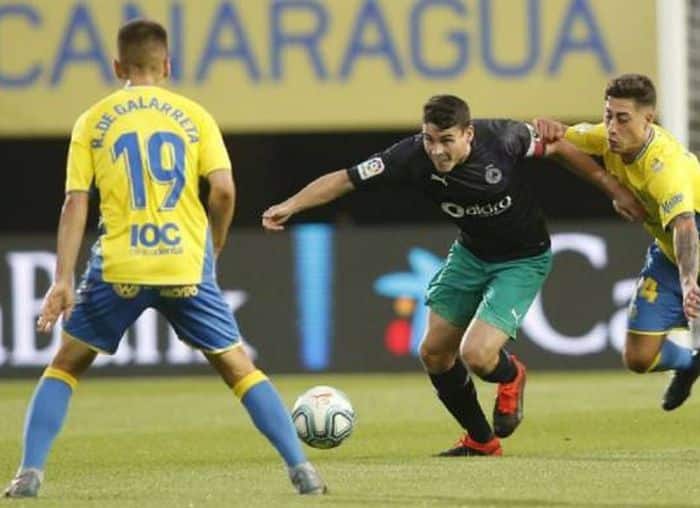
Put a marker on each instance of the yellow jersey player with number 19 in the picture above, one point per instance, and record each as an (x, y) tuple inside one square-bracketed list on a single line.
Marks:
[(145, 149), (665, 178)]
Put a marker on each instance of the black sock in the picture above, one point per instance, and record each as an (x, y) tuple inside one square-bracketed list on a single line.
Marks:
[(457, 392), (505, 370)]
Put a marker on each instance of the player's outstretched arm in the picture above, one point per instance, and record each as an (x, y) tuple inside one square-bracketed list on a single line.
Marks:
[(585, 167), (321, 191), (221, 203), (59, 299), (685, 247)]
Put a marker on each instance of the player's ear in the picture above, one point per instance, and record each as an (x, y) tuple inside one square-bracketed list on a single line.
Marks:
[(650, 115), (469, 132), (167, 68), (118, 69)]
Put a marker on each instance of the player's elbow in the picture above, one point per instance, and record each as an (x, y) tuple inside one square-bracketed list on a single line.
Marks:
[(222, 194), (221, 205), (221, 186), (222, 191)]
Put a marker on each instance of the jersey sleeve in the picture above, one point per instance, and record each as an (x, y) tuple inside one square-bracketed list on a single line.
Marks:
[(80, 170), (670, 189), (212, 150), (589, 138), (522, 141), (387, 167)]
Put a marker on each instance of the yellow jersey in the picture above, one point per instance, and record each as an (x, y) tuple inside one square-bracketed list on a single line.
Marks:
[(144, 148), (665, 176)]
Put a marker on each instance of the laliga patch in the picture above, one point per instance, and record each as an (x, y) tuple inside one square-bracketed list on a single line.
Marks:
[(583, 128), (370, 168)]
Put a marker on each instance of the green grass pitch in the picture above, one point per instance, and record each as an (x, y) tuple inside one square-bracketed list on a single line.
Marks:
[(588, 439)]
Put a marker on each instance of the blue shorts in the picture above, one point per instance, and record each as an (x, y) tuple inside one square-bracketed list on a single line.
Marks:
[(198, 313), (657, 305)]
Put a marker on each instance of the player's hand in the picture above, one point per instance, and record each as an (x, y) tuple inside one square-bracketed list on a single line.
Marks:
[(627, 206), (691, 299), (549, 130), (274, 217), (59, 300)]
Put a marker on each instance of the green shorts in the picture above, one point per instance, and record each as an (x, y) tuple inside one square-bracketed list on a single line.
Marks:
[(497, 293)]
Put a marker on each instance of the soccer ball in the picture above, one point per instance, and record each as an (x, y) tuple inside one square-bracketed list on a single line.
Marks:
[(323, 417)]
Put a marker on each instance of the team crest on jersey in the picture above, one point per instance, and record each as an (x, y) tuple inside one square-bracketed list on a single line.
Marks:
[(370, 168), (493, 175), (126, 290), (657, 165)]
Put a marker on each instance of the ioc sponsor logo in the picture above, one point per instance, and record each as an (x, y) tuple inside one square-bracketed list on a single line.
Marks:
[(150, 235)]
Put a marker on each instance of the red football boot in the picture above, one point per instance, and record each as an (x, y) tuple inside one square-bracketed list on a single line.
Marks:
[(508, 411)]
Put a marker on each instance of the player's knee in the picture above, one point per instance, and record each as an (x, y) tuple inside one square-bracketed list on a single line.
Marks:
[(434, 359), (73, 358), (635, 361), (479, 361)]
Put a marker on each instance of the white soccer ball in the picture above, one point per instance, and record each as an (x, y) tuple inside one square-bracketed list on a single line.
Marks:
[(323, 417)]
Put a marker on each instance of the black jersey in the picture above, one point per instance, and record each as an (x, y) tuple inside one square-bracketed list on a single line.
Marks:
[(487, 196)]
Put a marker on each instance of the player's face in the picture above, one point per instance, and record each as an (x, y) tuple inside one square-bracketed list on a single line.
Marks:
[(447, 147), (627, 124)]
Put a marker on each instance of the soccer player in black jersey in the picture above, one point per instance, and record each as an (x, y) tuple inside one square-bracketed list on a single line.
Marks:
[(477, 300)]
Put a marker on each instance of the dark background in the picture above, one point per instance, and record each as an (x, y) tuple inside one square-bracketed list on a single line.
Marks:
[(270, 167), (577, 298)]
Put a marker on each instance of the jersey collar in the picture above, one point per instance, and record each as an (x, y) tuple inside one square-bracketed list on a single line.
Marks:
[(645, 146)]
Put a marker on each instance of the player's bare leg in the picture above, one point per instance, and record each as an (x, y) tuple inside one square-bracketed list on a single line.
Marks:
[(641, 351), (47, 412), (655, 353), (455, 388), (269, 415), (482, 350), (440, 344)]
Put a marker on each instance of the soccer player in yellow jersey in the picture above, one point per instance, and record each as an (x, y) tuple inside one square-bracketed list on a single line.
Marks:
[(665, 178), (145, 149)]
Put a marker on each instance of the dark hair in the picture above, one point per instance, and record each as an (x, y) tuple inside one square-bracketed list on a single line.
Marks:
[(137, 39), (446, 111), (632, 86)]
